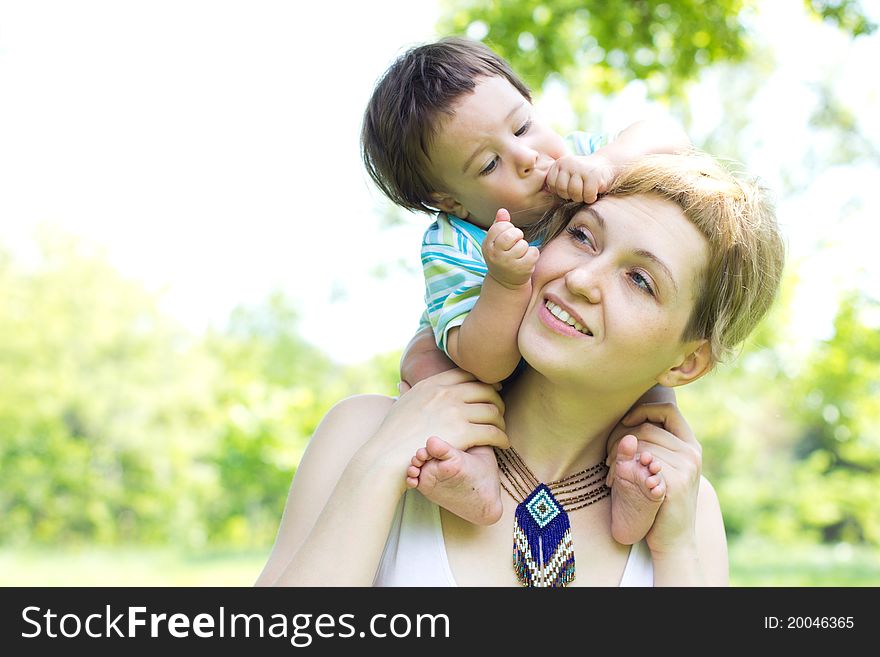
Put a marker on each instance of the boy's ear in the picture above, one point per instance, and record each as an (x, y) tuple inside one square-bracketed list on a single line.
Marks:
[(694, 365), (446, 203)]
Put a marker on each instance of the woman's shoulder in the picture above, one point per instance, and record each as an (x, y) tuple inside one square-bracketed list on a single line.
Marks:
[(341, 433), (707, 497), (355, 417), (363, 403)]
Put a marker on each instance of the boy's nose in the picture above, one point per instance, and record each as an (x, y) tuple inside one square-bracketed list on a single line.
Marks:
[(526, 159)]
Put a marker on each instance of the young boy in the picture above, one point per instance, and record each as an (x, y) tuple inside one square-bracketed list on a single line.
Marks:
[(451, 128)]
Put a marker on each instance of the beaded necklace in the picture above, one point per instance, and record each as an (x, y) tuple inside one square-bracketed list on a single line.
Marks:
[(543, 552)]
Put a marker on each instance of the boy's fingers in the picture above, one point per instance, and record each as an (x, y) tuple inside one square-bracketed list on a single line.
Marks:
[(508, 238), (591, 191), (531, 254), (575, 188), (550, 180), (561, 187), (519, 249), (502, 215)]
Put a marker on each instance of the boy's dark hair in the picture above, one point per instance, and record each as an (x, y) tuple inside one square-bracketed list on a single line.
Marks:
[(401, 117)]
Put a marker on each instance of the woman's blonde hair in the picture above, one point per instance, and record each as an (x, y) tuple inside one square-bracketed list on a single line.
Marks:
[(737, 217)]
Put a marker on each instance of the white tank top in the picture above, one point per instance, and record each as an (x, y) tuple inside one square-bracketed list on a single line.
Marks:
[(415, 554)]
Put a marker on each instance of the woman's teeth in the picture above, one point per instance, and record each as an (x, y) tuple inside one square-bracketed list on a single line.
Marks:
[(563, 316)]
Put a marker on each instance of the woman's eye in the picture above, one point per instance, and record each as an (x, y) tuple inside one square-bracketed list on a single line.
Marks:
[(489, 168), (524, 129), (578, 234), (642, 282)]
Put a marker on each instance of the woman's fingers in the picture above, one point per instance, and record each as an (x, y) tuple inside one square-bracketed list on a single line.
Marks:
[(488, 434), (662, 413), (485, 414), (479, 393)]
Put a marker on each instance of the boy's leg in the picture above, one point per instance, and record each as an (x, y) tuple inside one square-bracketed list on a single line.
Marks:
[(637, 491), (464, 483)]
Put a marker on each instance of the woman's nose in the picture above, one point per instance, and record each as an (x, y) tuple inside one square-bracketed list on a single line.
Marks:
[(585, 280)]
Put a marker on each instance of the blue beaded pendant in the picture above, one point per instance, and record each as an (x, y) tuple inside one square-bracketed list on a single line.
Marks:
[(543, 552)]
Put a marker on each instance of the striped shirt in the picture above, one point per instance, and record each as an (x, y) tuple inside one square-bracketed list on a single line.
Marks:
[(453, 263)]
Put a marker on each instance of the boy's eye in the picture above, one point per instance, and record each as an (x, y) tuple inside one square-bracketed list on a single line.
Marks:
[(524, 129), (489, 168), (578, 234)]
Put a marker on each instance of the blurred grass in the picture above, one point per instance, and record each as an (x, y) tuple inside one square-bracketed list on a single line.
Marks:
[(752, 563), (130, 566), (759, 563)]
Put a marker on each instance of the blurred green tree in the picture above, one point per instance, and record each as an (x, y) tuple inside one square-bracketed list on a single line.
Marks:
[(98, 399), (601, 45), (838, 450), (273, 392), (116, 425)]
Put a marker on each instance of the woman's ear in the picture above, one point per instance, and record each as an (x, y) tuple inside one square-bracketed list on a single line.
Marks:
[(446, 203), (694, 365)]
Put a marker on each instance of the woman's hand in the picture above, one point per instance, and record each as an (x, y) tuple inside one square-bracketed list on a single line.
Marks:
[(662, 430), (452, 405)]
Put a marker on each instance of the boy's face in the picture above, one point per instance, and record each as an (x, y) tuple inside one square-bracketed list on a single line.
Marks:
[(492, 153)]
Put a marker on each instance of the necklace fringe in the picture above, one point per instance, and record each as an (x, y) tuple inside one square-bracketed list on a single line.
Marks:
[(543, 550)]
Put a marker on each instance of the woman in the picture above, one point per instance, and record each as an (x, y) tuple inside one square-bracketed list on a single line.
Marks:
[(671, 268)]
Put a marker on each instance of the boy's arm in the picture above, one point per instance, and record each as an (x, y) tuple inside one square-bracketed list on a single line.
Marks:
[(645, 138), (486, 342), (583, 177), (422, 358)]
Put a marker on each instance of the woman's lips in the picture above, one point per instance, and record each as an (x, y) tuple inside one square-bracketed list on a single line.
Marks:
[(557, 325)]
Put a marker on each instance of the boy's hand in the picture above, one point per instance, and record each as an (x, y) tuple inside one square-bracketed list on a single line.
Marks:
[(509, 257), (581, 177)]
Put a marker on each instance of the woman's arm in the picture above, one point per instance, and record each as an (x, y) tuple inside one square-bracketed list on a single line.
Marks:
[(687, 539), (346, 489), (704, 563)]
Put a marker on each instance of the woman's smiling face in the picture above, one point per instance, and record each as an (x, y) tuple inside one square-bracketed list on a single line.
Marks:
[(613, 293)]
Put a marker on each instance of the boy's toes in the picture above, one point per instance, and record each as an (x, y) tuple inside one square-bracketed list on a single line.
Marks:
[(437, 448), (656, 486), (626, 448)]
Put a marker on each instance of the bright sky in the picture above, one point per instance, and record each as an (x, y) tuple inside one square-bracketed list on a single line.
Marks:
[(212, 148)]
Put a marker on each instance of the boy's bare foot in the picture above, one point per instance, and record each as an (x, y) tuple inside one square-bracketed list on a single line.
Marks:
[(465, 483), (637, 491)]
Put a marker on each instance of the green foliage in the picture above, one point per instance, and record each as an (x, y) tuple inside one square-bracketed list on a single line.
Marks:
[(840, 428), (602, 45), (273, 393), (598, 46), (98, 393), (848, 15), (796, 455)]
